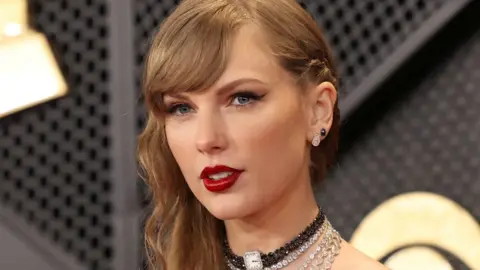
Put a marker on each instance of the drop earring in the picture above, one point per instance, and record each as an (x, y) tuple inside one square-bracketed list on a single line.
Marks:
[(316, 140)]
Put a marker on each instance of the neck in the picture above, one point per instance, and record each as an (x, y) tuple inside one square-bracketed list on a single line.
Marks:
[(275, 225)]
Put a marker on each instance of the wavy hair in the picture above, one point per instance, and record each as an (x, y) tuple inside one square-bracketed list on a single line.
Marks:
[(190, 52)]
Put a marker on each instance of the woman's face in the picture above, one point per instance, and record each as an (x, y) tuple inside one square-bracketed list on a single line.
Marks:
[(242, 143)]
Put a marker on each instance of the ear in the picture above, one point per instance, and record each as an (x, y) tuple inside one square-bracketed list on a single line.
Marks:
[(321, 103)]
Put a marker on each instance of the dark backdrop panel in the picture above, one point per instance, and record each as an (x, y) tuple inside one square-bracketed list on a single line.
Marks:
[(421, 133), (364, 33)]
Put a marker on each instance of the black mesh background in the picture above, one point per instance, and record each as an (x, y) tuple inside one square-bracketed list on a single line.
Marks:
[(54, 158), (428, 140), (148, 16), (364, 33)]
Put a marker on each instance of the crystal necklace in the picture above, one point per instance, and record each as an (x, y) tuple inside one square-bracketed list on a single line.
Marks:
[(330, 247), (322, 257), (281, 257)]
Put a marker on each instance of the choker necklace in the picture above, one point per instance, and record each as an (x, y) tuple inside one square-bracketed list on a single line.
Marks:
[(277, 259)]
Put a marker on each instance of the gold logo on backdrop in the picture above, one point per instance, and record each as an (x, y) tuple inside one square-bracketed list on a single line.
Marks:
[(28, 71), (412, 223)]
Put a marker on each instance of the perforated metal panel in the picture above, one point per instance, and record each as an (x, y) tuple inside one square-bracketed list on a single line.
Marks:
[(364, 33), (428, 141), (148, 16), (54, 168)]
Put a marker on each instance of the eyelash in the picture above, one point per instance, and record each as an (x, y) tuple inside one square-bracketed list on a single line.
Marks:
[(172, 109)]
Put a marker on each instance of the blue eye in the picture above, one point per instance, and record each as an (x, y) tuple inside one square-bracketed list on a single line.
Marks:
[(245, 98), (179, 109), (241, 100)]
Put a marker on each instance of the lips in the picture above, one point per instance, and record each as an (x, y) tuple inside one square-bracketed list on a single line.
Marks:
[(219, 178)]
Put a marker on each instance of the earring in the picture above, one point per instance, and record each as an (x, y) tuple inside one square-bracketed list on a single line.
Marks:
[(316, 140)]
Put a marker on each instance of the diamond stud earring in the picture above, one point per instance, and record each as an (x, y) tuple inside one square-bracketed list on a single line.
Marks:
[(316, 138)]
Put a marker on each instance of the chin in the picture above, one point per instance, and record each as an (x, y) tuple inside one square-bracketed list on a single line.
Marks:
[(228, 206)]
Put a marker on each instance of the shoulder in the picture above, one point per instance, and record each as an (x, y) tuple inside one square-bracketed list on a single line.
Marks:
[(352, 258)]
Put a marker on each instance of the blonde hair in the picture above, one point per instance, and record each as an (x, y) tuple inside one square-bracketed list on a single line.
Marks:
[(190, 52)]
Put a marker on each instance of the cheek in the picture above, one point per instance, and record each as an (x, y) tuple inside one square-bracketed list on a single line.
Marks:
[(277, 134), (275, 141), (180, 143), (174, 138)]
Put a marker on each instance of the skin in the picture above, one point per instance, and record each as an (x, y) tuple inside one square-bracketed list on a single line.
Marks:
[(268, 138)]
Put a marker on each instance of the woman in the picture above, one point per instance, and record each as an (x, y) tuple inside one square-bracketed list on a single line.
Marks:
[(243, 117)]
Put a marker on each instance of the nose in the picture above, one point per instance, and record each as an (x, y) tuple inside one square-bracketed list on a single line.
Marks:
[(211, 133)]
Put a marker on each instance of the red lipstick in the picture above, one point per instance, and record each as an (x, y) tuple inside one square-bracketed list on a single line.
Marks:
[(225, 177)]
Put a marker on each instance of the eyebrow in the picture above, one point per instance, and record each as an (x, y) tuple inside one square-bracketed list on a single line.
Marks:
[(225, 88), (236, 83)]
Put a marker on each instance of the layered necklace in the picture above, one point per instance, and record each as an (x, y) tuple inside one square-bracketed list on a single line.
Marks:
[(320, 258)]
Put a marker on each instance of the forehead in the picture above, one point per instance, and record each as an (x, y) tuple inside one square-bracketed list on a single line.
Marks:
[(251, 57)]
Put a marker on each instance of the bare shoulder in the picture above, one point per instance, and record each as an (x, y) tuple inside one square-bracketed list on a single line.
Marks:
[(352, 258)]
